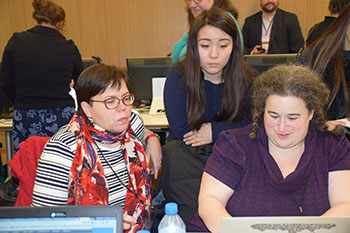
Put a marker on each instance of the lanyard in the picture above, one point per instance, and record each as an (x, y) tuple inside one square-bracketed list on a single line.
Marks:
[(268, 28), (301, 202)]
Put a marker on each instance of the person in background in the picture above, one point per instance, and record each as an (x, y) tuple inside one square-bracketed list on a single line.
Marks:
[(285, 163), (99, 158), (279, 32), (194, 8), (335, 7), (206, 93), (330, 57), (37, 68)]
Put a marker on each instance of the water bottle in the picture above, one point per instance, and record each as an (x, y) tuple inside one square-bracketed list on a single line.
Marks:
[(171, 222)]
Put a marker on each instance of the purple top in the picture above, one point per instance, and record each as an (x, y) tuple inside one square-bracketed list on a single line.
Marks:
[(247, 167)]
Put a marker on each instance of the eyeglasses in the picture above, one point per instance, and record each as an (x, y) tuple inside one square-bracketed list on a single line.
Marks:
[(113, 102), (188, 2)]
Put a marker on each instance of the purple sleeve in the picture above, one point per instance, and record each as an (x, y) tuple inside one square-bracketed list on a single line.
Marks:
[(339, 153), (175, 104), (228, 160)]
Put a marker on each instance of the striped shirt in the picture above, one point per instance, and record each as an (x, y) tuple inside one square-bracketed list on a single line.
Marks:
[(51, 182)]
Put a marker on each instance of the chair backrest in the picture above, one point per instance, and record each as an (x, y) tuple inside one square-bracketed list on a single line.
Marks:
[(23, 166)]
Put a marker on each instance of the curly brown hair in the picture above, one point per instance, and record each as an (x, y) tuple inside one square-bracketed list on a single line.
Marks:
[(46, 11), (291, 80)]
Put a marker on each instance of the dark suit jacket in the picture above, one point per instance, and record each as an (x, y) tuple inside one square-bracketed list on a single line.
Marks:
[(286, 36)]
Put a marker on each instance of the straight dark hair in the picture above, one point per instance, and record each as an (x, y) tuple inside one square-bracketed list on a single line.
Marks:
[(329, 49), (236, 75), (336, 6)]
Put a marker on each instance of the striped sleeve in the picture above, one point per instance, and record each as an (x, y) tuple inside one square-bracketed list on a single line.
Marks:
[(51, 182), (137, 125)]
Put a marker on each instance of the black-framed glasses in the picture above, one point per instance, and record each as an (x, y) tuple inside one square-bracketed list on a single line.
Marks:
[(188, 2), (113, 102)]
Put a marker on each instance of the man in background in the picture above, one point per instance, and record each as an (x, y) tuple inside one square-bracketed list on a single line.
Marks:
[(334, 7), (272, 30)]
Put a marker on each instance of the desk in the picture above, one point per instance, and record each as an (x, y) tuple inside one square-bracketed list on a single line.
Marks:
[(6, 125), (155, 121)]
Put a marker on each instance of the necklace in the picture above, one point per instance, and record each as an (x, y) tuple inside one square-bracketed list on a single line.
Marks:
[(132, 190), (301, 202)]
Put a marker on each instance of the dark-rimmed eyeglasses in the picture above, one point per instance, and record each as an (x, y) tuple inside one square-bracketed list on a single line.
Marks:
[(188, 2), (113, 102)]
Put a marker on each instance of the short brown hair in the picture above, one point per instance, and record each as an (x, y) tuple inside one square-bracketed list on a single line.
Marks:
[(46, 11), (96, 79), (291, 80)]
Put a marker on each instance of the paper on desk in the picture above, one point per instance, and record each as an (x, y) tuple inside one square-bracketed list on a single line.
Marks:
[(157, 105)]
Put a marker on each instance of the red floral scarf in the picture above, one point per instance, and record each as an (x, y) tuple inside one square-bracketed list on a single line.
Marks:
[(87, 184)]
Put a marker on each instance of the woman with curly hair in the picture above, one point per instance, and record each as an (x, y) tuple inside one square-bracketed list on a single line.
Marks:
[(285, 163)]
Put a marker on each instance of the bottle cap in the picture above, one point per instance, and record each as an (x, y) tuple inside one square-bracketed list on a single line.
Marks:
[(171, 208)]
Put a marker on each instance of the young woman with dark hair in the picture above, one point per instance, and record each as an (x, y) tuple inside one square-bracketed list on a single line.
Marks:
[(206, 93), (209, 91), (193, 9)]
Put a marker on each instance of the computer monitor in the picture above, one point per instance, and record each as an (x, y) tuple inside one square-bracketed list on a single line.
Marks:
[(262, 62), (142, 70)]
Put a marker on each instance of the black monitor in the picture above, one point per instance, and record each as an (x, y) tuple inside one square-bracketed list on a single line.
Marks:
[(263, 62), (141, 71)]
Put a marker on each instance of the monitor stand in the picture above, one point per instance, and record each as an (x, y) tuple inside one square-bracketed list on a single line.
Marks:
[(157, 106)]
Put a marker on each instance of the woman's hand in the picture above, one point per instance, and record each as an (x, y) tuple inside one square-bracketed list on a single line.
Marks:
[(201, 137), (128, 221), (154, 152), (331, 125)]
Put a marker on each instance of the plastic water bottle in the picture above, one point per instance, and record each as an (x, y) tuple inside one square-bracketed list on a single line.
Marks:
[(171, 222)]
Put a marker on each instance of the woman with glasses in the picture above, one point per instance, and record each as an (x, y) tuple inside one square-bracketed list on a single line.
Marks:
[(99, 158), (194, 8)]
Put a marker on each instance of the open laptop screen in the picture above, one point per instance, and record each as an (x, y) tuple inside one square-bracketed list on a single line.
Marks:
[(77, 219)]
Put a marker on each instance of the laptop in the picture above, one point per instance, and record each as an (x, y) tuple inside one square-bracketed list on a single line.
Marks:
[(77, 219), (305, 224)]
